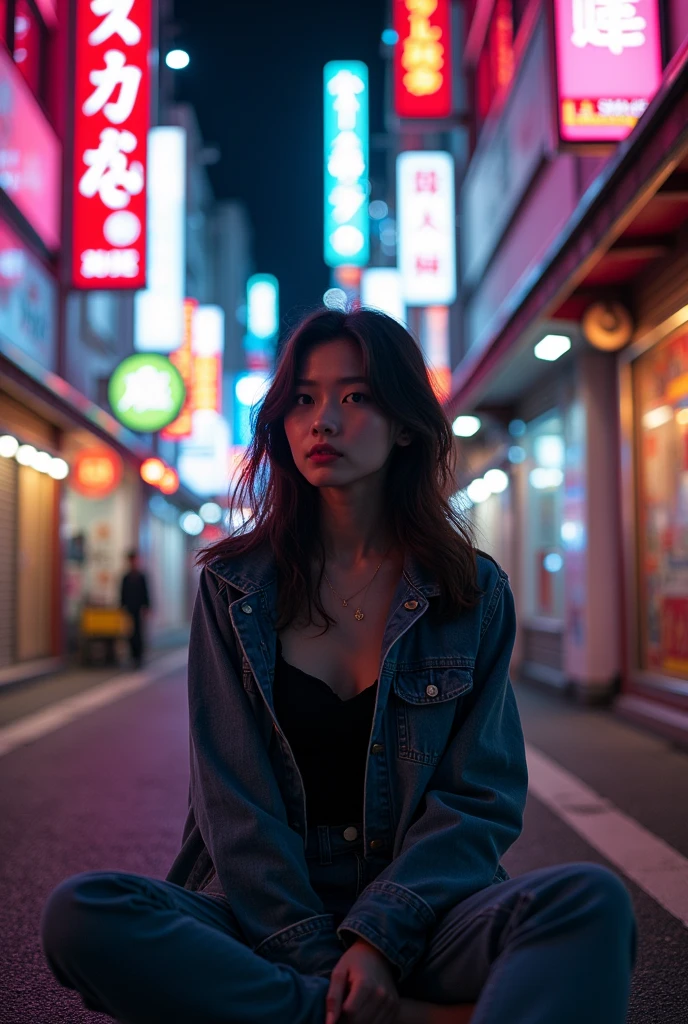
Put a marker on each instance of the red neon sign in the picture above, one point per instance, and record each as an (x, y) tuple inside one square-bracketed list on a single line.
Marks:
[(422, 58), (96, 472), (609, 66), (112, 117)]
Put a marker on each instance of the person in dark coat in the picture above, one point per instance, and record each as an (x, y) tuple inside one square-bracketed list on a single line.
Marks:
[(135, 599)]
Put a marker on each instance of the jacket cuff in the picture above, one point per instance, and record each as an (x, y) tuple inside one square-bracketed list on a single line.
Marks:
[(394, 920), (310, 946)]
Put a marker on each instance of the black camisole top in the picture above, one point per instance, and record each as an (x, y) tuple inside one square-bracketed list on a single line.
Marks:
[(329, 738)]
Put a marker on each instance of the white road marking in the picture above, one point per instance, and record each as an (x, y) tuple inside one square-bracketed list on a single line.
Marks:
[(659, 869), (32, 727)]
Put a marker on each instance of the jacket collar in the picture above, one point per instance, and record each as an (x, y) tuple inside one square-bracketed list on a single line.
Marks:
[(255, 570)]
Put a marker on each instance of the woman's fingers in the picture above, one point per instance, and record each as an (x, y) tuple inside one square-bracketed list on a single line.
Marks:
[(370, 1004), (335, 996)]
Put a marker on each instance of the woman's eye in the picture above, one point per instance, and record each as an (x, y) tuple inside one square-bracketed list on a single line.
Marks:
[(296, 399), (359, 395)]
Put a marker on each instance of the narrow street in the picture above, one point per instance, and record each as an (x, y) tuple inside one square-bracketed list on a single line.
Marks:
[(102, 783)]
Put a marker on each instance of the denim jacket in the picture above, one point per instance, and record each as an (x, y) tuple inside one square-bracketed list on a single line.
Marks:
[(445, 780)]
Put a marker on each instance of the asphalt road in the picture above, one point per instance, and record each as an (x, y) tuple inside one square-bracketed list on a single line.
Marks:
[(109, 790)]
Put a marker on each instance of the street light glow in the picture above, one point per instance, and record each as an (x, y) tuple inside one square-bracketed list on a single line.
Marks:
[(177, 59)]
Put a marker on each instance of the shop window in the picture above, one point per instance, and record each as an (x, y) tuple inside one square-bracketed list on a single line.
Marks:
[(29, 43), (543, 443), (661, 404)]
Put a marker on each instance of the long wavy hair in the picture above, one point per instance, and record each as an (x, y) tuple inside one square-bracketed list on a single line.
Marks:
[(276, 505)]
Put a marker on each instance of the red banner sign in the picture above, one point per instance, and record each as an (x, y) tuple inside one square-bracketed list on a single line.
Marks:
[(609, 66), (112, 117), (422, 58)]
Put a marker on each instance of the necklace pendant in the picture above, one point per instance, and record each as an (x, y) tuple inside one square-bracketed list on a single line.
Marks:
[(358, 614), (345, 604)]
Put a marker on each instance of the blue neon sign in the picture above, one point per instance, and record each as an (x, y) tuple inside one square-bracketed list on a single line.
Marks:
[(346, 163)]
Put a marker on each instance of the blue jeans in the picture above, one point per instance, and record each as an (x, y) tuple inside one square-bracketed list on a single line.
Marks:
[(554, 946)]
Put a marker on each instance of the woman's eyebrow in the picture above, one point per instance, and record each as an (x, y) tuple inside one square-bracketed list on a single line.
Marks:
[(303, 382)]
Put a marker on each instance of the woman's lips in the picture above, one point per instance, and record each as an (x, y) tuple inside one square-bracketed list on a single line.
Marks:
[(322, 458)]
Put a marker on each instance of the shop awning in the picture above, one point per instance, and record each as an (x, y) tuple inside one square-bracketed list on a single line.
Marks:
[(627, 221)]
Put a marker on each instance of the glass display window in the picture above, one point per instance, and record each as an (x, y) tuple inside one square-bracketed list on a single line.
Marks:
[(543, 444), (660, 386)]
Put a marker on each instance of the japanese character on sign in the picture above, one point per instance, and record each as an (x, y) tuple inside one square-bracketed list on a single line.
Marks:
[(346, 86), (346, 200), (423, 52), (426, 181), (428, 222), (108, 173), (116, 22), (115, 73), (146, 389), (427, 264), (609, 24)]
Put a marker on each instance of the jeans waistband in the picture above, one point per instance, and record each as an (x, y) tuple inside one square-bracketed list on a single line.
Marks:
[(323, 842)]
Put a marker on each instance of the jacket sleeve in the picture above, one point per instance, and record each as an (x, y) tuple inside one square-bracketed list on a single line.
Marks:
[(238, 806), (473, 810)]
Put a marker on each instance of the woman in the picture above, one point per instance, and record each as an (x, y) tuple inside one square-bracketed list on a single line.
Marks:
[(357, 761)]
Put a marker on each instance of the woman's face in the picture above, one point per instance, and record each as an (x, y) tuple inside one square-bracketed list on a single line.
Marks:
[(332, 405)]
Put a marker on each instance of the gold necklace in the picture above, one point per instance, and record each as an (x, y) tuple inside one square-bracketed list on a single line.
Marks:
[(358, 614)]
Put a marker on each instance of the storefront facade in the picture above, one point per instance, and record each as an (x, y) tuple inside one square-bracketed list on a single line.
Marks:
[(594, 443)]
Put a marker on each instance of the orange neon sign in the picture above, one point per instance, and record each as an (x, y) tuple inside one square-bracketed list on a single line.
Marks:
[(96, 472), (422, 60)]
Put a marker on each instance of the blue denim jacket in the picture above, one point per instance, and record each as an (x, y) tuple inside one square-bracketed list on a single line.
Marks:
[(445, 780)]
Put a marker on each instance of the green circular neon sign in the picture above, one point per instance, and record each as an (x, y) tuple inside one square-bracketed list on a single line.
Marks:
[(146, 392)]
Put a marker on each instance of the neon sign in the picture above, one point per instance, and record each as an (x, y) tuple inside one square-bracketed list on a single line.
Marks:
[(346, 163), (426, 225), (422, 58), (112, 100), (609, 66)]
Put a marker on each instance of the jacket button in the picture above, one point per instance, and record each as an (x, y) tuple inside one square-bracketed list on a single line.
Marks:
[(350, 834), (247, 608), (377, 748), (410, 605), (431, 690), (375, 844)]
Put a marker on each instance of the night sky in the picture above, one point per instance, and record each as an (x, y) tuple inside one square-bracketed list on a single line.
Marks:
[(255, 80)]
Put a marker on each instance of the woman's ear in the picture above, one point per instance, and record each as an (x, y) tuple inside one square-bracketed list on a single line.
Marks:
[(404, 437)]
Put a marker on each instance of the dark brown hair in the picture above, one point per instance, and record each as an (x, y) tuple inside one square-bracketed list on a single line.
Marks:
[(284, 505)]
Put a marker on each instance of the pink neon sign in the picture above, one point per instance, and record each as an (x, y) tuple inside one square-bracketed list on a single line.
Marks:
[(609, 66), (30, 154), (112, 117)]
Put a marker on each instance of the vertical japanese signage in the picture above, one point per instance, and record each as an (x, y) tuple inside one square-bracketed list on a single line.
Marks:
[(422, 58), (609, 66), (182, 358), (426, 227), (346, 163), (112, 100), (159, 308), (262, 323)]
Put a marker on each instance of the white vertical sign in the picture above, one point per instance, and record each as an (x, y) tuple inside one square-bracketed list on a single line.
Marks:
[(159, 310), (426, 227), (381, 289)]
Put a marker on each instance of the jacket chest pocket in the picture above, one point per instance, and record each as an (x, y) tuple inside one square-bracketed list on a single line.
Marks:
[(425, 705)]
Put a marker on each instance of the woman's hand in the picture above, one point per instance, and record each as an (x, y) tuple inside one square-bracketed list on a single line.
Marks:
[(363, 975)]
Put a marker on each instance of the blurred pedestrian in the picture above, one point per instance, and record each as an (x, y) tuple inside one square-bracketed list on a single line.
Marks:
[(340, 860), (134, 598)]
